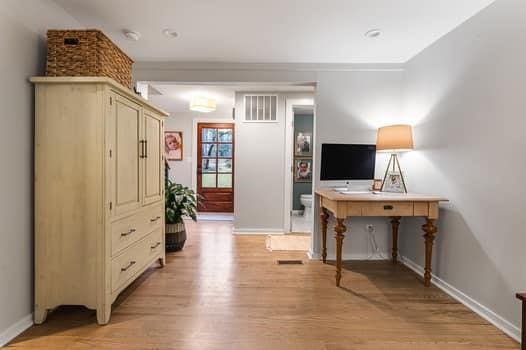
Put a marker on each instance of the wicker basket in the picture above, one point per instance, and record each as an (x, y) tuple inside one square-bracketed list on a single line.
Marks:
[(86, 53)]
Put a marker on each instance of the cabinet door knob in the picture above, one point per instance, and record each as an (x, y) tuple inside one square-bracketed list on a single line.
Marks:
[(155, 219), (129, 265), (388, 207), (156, 245)]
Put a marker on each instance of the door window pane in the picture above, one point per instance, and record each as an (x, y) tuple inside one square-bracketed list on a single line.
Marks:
[(209, 166), (224, 180), (225, 150), (225, 135), (209, 150), (208, 180), (209, 135), (224, 165)]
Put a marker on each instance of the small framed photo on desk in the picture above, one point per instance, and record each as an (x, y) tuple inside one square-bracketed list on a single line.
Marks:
[(393, 183)]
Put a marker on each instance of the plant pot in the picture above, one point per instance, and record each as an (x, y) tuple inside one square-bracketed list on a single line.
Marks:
[(175, 237)]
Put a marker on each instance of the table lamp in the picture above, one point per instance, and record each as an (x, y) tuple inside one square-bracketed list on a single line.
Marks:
[(394, 139)]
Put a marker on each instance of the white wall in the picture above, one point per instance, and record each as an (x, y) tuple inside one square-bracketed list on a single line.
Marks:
[(259, 196), (467, 96), (351, 102), (22, 54)]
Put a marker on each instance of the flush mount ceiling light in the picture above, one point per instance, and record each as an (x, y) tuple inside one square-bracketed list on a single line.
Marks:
[(373, 33), (202, 104), (132, 35), (170, 33)]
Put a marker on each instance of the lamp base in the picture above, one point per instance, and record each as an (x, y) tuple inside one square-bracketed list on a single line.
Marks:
[(394, 169)]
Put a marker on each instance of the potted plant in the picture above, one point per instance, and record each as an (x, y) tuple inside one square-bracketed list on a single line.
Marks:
[(180, 202)]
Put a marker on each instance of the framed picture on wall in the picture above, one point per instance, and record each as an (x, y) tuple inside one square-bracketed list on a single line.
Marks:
[(303, 144), (173, 145), (303, 170)]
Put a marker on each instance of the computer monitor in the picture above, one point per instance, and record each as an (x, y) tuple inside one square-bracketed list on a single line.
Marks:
[(347, 161)]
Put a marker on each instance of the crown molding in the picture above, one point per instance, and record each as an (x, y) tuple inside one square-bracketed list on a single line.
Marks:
[(290, 67)]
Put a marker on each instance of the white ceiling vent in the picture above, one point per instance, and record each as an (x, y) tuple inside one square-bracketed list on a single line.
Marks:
[(261, 108)]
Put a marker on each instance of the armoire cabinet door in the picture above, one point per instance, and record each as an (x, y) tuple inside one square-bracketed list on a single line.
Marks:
[(154, 160), (127, 166)]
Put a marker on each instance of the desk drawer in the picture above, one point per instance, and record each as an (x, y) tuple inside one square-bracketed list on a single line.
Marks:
[(130, 229), (387, 209)]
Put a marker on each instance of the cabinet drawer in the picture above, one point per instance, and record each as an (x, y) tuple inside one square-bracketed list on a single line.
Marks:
[(125, 266), (130, 229), (387, 209)]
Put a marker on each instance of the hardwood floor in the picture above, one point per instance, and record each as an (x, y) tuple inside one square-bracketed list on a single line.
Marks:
[(228, 292)]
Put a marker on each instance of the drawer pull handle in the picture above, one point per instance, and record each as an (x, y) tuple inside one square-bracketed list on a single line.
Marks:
[(124, 234), (388, 207), (129, 265), (156, 245), (154, 220)]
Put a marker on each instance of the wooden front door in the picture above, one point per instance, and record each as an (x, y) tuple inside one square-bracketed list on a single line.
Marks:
[(215, 167)]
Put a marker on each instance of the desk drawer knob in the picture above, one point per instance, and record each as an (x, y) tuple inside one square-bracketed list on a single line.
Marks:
[(388, 207)]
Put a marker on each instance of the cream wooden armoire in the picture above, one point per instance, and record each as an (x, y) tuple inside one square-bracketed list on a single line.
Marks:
[(99, 192)]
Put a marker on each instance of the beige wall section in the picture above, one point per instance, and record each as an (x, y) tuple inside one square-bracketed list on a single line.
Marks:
[(466, 97), (22, 54)]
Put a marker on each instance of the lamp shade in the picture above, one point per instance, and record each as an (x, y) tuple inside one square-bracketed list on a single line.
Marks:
[(394, 138), (202, 104)]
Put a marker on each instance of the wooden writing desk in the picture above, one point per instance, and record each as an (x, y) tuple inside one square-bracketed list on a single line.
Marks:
[(391, 205)]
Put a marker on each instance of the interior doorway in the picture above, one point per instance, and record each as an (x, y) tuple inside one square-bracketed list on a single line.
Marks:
[(215, 167)]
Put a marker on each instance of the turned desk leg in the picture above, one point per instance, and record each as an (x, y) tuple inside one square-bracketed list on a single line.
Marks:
[(430, 232), (395, 223), (324, 218), (339, 228)]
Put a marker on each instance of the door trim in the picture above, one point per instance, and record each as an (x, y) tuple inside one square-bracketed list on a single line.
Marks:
[(290, 103)]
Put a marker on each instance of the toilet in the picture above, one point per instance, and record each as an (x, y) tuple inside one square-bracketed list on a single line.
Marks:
[(306, 201)]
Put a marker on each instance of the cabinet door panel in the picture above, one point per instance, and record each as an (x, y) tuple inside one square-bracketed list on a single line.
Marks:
[(127, 163), (153, 174)]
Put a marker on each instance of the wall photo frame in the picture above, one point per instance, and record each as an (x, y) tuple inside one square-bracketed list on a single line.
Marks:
[(303, 144), (303, 170), (173, 145)]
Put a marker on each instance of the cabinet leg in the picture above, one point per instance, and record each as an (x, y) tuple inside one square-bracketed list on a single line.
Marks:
[(430, 232), (39, 315), (103, 314), (395, 224), (339, 228), (324, 218), (162, 261)]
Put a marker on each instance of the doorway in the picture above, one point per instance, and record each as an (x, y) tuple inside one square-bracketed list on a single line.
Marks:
[(215, 167)]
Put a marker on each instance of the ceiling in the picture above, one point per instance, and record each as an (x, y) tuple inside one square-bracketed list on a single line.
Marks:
[(284, 31), (175, 98)]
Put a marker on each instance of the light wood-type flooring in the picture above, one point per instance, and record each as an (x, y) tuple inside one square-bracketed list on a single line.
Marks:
[(228, 292)]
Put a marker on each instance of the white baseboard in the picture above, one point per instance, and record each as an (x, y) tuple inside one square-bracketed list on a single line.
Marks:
[(348, 256), (484, 312), (258, 231), (14, 330)]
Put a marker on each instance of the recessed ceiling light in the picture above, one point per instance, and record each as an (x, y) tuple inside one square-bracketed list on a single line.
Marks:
[(170, 33), (373, 33), (132, 35)]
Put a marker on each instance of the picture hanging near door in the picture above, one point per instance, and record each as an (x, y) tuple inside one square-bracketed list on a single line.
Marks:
[(303, 170), (303, 144), (173, 145)]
